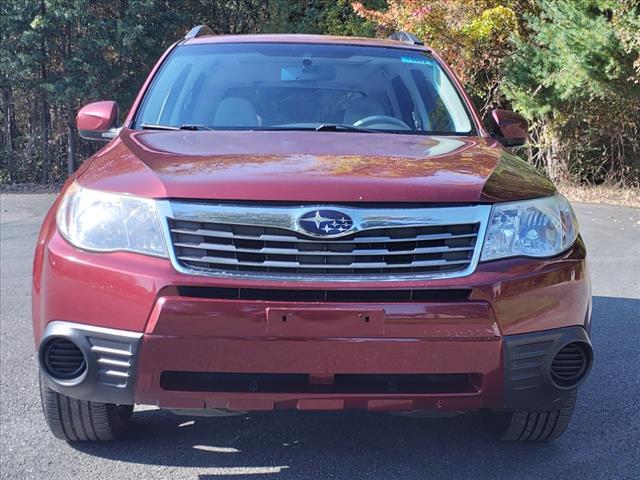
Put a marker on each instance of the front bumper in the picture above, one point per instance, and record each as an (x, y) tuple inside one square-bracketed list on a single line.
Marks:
[(451, 353), (512, 373)]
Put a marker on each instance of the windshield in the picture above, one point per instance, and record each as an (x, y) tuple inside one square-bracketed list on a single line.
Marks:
[(265, 86)]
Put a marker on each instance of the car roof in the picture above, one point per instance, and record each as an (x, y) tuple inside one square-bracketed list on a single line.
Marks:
[(300, 38)]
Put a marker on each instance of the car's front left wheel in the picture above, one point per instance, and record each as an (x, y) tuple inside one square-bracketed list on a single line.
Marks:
[(81, 420), (533, 426)]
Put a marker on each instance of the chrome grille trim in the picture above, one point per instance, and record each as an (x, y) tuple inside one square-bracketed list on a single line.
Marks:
[(285, 238), (291, 251), (201, 241), (359, 266)]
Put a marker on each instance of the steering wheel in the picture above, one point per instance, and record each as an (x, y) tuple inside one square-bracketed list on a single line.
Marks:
[(378, 119)]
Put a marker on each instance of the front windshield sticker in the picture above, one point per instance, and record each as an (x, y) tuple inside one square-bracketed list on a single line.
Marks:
[(416, 60)]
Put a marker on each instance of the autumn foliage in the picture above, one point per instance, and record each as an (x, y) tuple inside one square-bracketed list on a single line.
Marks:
[(473, 36)]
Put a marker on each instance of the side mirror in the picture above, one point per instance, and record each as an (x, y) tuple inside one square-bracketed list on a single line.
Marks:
[(98, 121), (509, 128)]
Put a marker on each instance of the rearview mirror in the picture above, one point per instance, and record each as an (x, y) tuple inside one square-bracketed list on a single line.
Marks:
[(308, 73), (98, 121), (509, 128)]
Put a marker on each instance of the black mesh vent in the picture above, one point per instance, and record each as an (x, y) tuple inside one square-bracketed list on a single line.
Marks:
[(300, 383), (63, 359), (569, 365), (337, 296)]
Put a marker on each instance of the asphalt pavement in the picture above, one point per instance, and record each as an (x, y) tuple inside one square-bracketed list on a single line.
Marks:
[(603, 440)]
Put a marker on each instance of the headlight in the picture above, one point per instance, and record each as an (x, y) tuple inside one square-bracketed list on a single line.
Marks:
[(106, 222), (533, 228)]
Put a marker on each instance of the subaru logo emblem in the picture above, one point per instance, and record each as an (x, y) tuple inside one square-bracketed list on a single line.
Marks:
[(326, 223)]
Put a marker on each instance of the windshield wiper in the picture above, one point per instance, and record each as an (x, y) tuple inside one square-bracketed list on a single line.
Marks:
[(337, 127), (186, 126), (325, 127), (192, 126), (146, 126)]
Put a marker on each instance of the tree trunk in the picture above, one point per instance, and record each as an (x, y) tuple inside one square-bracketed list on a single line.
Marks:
[(44, 106), (553, 159), (69, 104), (7, 102), (44, 137), (71, 140)]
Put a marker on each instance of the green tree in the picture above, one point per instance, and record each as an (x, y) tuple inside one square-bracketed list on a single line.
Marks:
[(627, 27), (575, 80), (333, 17), (56, 55)]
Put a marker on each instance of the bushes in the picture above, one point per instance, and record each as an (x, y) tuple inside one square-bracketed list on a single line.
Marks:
[(572, 67), (574, 79)]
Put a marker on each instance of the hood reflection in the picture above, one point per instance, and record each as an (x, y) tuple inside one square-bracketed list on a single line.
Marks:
[(298, 166)]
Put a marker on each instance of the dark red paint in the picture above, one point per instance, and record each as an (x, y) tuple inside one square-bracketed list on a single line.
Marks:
[(511, 127), (308, 167), (97, 117)]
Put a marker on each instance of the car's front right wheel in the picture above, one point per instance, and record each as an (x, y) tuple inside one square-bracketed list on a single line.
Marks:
[(533, 426), (80, 420)]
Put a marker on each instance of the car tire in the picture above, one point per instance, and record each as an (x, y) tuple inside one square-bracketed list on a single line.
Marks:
[(534, 426), (80, 420)]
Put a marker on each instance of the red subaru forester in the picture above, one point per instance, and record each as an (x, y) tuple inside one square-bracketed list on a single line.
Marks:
[(312, 223)]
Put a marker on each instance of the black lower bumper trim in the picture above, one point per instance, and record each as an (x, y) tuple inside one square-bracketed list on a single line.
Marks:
[(528, 358), (110, 358), (301, 383)]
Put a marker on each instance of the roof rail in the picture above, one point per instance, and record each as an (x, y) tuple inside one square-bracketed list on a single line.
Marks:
[(406, 37), (199, 31)]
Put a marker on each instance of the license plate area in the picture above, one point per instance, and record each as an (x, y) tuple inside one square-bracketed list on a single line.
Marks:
[(324, 322)]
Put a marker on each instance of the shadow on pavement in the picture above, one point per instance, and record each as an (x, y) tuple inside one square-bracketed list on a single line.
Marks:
[(292, 444)]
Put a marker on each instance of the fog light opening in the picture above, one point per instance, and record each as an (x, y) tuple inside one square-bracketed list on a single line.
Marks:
[(63, 359), (570, 364)]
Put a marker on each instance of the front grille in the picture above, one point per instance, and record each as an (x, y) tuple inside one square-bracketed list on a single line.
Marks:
[(248, 248)]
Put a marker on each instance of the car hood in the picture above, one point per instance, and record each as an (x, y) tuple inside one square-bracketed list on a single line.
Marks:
[(286, 166)]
